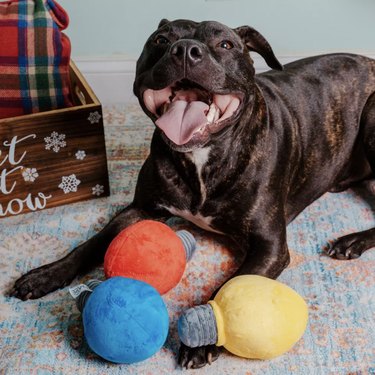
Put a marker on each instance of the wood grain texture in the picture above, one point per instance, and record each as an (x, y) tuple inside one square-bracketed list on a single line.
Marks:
[(32, 167)]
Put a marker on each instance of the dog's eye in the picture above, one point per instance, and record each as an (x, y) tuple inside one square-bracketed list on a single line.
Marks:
[(160, 39), (226, 44)]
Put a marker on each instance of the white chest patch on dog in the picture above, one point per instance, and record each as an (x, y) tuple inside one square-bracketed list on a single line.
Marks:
[(200, 157), (199, 220)]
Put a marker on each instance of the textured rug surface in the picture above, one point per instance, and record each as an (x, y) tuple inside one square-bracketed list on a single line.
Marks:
[(45, 336)]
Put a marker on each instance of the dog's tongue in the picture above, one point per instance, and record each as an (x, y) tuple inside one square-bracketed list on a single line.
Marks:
[(182, 119)]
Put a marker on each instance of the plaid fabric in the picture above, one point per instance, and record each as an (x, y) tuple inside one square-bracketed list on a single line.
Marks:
[(34, 57)]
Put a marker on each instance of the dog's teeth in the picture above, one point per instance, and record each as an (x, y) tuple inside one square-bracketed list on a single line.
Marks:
[(213, 113), (164, 108), (217, 114)]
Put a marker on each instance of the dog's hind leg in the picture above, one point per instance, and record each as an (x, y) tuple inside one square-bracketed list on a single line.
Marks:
[(368, 123), (353, 245)]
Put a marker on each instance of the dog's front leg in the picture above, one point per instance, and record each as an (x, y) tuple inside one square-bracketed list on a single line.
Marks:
[(52, 276), (267, 255)]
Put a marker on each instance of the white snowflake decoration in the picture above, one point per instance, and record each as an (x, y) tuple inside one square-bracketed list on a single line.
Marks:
[(30, 174), (80, 155), (69, 183), (94, 117), (98, 190), (55, 141)]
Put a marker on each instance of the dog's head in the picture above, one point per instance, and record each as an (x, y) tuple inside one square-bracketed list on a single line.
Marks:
[(194, 80)]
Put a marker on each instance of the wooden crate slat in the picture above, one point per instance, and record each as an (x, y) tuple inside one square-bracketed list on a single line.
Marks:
[(41, 155)]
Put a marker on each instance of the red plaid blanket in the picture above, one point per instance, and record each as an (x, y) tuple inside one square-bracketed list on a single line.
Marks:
[(34, 57)]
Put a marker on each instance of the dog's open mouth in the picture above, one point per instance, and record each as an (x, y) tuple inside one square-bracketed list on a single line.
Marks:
[(185, 110)]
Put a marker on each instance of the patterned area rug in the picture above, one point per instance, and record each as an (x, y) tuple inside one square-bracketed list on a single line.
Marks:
[(45, 336)]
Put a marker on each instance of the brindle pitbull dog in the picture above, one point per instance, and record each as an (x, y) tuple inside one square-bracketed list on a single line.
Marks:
[(238, 154)]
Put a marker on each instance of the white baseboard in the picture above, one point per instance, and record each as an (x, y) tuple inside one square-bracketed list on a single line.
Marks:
[(112, 78)]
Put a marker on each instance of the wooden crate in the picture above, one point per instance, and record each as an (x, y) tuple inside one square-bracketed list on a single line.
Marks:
[(52, 158)]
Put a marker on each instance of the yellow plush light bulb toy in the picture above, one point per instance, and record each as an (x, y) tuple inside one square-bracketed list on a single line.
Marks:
[(251, 316)]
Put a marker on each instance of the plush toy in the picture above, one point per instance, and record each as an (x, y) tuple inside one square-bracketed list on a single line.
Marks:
[(251, 316), (150, 251), (124, 320)]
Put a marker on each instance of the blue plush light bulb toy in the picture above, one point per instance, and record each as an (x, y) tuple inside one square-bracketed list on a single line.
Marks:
[(124, 320)]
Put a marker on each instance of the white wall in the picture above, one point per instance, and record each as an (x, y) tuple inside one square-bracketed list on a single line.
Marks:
[(293, 27)]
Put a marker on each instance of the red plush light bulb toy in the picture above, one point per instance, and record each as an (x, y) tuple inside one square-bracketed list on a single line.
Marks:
[(150, 251)]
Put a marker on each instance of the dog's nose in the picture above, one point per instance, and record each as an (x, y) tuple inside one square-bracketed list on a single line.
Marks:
[(186, 51)]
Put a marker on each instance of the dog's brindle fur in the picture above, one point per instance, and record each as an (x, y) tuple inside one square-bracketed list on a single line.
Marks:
[(300, 131)]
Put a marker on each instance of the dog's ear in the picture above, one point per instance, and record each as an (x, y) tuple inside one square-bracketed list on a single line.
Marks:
[(255, 41), (163, 22)]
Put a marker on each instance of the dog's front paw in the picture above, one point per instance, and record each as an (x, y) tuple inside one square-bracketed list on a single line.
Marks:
[(41, 281), (197, 357)]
